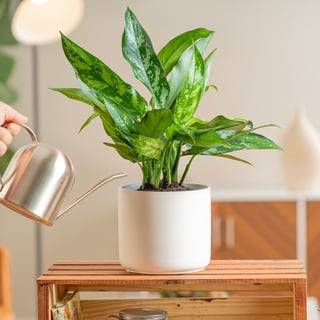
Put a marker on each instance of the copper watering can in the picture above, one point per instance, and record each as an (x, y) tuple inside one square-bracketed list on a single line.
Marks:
[(37, 180)]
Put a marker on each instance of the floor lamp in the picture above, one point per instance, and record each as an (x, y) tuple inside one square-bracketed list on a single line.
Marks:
[(36, 125), (36, 23)]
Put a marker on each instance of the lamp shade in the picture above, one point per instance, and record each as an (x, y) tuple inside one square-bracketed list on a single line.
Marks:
[(37, 22)]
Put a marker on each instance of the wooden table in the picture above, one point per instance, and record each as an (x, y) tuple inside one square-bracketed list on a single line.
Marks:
[(232, 289)]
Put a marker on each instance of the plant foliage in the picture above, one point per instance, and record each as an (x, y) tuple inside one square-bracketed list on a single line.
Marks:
[(157, 133), (8, 94), (7, 62)]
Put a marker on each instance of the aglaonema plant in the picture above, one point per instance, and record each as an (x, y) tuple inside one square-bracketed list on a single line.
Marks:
[(156, 132)]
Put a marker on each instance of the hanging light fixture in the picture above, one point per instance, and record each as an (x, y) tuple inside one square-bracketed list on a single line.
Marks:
[(37, 22)]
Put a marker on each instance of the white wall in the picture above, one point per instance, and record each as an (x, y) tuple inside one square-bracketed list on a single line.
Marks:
[(267, 64)]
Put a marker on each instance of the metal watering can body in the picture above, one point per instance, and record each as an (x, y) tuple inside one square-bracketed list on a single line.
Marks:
[(37, 180)]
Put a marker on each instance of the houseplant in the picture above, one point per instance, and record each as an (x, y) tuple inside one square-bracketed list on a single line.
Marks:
[(157, 134)]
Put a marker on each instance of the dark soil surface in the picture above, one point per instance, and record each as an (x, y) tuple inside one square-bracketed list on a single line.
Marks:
[(175, 186)]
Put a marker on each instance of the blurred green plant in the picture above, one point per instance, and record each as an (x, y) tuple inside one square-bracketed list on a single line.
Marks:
[(7, 93), (7, 62)]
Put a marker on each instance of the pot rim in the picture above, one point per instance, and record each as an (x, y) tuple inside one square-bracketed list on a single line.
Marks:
[(134, 187)]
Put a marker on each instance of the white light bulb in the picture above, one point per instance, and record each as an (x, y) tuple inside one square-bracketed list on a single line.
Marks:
[(39, 2), (37, 22)]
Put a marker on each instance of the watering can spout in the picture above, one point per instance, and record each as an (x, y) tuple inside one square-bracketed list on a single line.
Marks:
[(94, 188)]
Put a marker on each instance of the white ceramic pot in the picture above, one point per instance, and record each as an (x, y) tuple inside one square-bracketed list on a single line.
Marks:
[(164, 232)]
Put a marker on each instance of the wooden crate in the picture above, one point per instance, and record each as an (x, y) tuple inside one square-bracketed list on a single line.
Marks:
[(231, 289)]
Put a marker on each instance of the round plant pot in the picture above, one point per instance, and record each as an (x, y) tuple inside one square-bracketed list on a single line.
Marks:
[(164, 232)]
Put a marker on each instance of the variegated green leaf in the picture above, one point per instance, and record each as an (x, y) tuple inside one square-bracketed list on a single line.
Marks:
[(146, 146), (255, 141), (207, 139), (220, 123), (155, 123), (123, 120), (138, 50), (107, 122), (105, 84), (124, 151), (75, 94), (190, 94), (180, 72), (173, 50), (249, 141)]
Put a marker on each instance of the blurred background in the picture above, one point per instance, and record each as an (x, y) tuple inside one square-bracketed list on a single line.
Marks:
[(267, 66)]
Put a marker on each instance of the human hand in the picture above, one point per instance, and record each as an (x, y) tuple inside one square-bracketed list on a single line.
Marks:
[(10, 121)]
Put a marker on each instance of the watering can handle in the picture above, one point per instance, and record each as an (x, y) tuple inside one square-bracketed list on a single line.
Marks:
[(34, 140), (95, 187), (31, 133), (29, 130)]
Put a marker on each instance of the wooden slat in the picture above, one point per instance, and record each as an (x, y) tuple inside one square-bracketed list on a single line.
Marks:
[(244, 270), (277, 287), (185, 309), (214, 265)]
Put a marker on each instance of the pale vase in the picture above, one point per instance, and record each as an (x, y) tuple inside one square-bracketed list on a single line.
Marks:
[(164, 232), (301, 158)]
